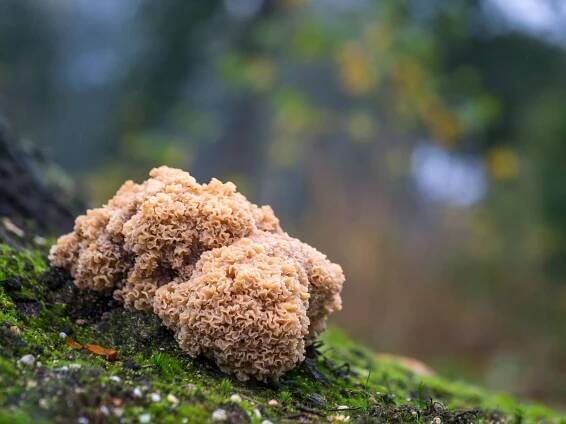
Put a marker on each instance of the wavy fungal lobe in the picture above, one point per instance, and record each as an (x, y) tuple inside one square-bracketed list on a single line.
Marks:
[(216, 268)]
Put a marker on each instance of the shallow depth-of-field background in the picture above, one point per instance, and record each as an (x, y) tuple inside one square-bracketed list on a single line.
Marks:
[(422, 145)]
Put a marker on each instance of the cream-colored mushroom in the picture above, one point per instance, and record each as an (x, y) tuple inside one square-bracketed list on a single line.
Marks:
[(215, 267)]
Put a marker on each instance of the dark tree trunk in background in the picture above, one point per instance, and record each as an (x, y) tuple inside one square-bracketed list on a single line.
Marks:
[(29, 201)]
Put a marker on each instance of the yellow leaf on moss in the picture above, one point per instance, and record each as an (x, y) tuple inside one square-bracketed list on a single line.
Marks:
[(109, 354), (72, 344)]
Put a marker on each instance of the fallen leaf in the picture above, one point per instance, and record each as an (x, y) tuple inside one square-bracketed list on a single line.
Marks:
[(109, 354), (72, 343)]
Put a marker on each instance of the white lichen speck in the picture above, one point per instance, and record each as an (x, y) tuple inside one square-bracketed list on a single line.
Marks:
[(28, 360), (144, 418), (219, 415)]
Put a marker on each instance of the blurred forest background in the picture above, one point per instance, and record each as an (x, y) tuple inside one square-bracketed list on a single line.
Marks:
[(421, 144)]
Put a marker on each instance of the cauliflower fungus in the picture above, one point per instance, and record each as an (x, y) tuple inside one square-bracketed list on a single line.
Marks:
[(216, 268)]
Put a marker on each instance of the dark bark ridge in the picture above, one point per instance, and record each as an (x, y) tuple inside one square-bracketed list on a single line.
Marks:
[(27, 197)]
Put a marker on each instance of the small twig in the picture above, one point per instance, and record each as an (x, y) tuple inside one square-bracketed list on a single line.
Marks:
[(292, 417), (344, 409), (305, 408)]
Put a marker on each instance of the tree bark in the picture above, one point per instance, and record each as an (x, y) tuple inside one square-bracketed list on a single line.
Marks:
[(28, 199)]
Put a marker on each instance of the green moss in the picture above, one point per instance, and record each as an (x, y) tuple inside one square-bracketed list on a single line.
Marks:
[(224, 387), (197, 412), (21, 263), (17, 417), (7, 309), (153, 376), (169, 367), (7, 369), (285, 398)]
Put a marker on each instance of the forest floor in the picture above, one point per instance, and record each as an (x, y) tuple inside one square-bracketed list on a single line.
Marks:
[(73, 356)]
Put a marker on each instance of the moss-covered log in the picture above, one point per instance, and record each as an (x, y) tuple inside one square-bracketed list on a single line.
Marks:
[(73, 356)]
